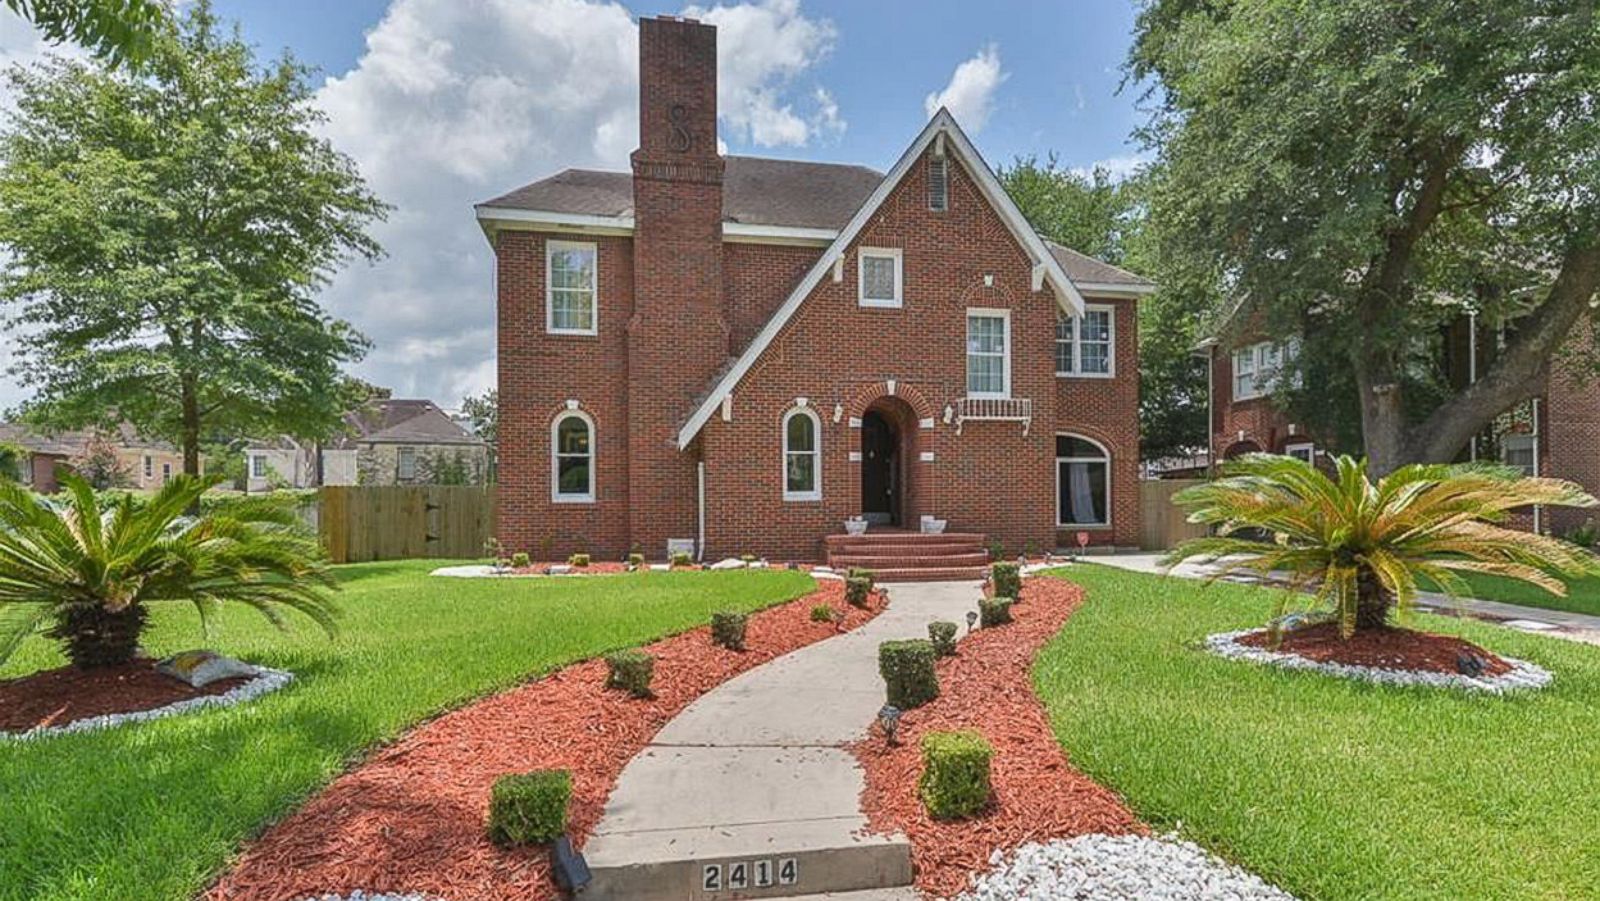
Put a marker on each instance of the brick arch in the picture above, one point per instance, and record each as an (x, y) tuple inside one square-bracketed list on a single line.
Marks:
[(1240, 448), (979, 294), (866, 395), (1093, 434)]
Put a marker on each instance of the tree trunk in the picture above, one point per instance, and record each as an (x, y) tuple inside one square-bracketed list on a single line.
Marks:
[(94, 636), (190, 400), (1372, 603)]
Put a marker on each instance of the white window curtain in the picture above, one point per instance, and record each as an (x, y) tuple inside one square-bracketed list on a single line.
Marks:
[(1083, 482)]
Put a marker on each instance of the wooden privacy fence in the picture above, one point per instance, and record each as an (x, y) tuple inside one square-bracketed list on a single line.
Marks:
[(361, 522), (1161, 523)]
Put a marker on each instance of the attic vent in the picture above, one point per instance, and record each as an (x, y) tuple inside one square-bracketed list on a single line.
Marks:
[(938, 184)]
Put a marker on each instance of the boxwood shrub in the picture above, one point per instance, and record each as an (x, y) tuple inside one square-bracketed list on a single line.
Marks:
[(727, 629), (994, 611), (682, 558), (955, 774), (520, 559), (907, 670), (1007, 580), (529, 808), (856, 590), (631, 670), (943, 637), (822, 613), (636, 560), (578, 560), (859, 572)]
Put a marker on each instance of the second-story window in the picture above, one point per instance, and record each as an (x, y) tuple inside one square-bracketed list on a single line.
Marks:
[(988, 353), (570, 287), (1086, 347), (1257, 368), (879, 277)]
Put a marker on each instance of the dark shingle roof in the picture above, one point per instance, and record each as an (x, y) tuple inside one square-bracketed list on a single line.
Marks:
[(68, 443), (759, 191), (1086, 269), (402, 421)]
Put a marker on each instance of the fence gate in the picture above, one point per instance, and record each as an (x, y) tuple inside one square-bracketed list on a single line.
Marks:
[(1161, 524), (397, 522)]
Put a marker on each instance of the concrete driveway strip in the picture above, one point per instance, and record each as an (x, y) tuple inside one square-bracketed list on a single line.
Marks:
[(750, 787)]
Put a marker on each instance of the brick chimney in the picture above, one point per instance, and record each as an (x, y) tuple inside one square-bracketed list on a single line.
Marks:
[(679, 335)]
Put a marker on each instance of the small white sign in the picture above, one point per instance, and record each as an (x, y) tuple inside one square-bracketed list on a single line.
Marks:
[(738, 875), (711, 877), (763, 873), (788, 871)]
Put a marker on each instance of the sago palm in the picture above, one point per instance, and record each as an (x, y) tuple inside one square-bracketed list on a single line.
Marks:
[(88, 570), (1360, 548)]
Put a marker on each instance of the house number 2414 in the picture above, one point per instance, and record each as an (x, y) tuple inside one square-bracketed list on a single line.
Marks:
[(744, 874)]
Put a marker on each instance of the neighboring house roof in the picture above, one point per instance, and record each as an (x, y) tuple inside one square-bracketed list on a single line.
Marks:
[(388, 421), (1091, 274), (70, 442), (1047, 267), (755, 191)]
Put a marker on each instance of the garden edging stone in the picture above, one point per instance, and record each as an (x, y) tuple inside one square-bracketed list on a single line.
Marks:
[(1523, 675)]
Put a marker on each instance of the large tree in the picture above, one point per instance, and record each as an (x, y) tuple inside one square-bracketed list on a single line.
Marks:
[(1362, 171), (168, 232), (1105, 217), (116, 30)]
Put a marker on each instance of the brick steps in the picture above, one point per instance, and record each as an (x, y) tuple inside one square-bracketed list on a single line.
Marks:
[(900, 556)]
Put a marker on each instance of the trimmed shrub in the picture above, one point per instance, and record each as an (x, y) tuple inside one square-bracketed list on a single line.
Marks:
[(727, 629), (636, 560), (1007, 580), (748, 558), (955, 774), (822, 613), (520, 559), (856, 590), (578, 560), (630, 670), (857, 572), (529, 808), (682, 558), (994, 612), (907, 670), (943, 637)]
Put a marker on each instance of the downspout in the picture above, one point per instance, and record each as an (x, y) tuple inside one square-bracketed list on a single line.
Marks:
[(1537, 440), (700, 512), (1211, 411), (1472, 368)]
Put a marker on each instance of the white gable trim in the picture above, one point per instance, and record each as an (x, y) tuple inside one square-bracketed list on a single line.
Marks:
[(942, 126)]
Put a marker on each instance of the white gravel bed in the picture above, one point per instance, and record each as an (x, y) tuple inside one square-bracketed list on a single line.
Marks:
[(266, 680), (1116, 868), (1523, 675), (479, 571)]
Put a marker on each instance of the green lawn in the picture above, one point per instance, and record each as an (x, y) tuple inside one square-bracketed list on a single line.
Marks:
[(1583, 594), (1330, 788), (154, 811)]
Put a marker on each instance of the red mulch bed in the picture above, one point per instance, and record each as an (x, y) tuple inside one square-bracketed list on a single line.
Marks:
[(1037, 793), (411, 819), (1386, 648), (61, 696)]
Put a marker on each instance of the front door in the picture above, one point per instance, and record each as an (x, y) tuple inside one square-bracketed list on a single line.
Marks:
[(878, 469)]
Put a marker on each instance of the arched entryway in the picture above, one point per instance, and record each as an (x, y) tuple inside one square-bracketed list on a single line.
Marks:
[(888, 430)]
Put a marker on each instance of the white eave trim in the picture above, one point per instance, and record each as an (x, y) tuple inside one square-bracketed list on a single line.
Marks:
[(944, 126), (777, 234), (491, 217), (1115, 289)]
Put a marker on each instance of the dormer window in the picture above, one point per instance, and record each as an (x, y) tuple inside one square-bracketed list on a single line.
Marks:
[(880, 275), (938, 184)]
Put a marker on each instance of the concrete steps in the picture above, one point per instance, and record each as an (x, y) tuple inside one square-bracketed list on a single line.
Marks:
[(899, 556)]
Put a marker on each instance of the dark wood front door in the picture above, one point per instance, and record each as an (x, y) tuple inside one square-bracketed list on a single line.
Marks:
[(879, 449)]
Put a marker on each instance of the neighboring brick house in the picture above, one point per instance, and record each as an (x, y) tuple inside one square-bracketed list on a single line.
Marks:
[(1556, 434), (387, 442), (147, 463), (743, 353)]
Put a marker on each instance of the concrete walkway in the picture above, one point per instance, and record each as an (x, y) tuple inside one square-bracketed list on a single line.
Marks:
[(755, 771), (1559, 623)]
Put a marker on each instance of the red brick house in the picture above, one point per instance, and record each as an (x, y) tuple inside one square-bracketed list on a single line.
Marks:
[(743, 353)]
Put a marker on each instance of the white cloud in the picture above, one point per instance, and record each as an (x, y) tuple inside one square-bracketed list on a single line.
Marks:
[(762, 49), (970, 94), (1117, 167)]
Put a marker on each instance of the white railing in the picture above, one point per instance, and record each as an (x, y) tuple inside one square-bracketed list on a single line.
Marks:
[(994, 409)]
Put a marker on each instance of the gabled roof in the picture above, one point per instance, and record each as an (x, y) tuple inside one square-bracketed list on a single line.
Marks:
[(70, 442), (1090, 274), (1047, 267), (405, 421), (755, 191)]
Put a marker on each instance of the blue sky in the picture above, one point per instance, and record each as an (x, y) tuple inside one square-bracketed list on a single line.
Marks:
[(443, 103)]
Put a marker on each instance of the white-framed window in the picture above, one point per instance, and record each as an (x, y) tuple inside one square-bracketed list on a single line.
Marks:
[(1083, 482), (149, 466), (1087, 348), (988, 353), (1302, 451), (571, 275), (938, 184), (572, 458), (802, 455), (879, 275), (405, 465), (166, 473), (1257, 368), (258, 466), (1517, 449)]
